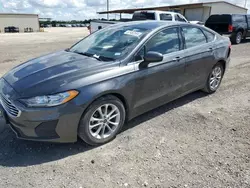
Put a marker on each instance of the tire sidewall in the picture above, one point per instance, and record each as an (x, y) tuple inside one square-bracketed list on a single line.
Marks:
[(83, 130)]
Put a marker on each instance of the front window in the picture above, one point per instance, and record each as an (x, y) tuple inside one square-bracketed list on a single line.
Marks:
[(164, 42), (110, 44)]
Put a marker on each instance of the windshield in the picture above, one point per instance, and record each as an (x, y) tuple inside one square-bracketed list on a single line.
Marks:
[(110, 44)]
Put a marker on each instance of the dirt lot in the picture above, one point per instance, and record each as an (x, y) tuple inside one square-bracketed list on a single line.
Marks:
[(196, 141)]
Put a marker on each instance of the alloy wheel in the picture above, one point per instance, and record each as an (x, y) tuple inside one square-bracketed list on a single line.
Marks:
[(215, 78), (104, 121)]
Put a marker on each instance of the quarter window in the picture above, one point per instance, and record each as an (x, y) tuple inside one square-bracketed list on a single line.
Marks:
[(193, 37), (166, 17), (210, 36), (165, 42), (248, 19)]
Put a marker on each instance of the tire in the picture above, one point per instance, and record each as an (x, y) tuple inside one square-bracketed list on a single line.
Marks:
[(209, 86), (95, 127), (237, 38)]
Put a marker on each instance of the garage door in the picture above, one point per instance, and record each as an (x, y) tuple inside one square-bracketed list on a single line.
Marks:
[(194, 14)]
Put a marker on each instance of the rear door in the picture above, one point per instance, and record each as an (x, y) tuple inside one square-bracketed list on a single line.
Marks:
[(199, 50), (239, 22), (248, 27)]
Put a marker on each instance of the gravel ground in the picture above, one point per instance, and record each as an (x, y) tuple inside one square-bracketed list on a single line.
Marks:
[(196, 141)]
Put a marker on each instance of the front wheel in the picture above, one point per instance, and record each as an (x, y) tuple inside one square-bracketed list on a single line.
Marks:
[(214, 79), (102, 120)]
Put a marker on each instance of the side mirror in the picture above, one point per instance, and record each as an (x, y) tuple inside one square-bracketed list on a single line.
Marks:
[(153, 57)]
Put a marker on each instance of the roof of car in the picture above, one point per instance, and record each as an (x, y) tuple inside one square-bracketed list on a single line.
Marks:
[(148, 24)]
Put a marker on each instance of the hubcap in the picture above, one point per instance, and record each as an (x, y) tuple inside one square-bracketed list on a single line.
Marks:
[(104, 121), (215, 78), (239, 38)]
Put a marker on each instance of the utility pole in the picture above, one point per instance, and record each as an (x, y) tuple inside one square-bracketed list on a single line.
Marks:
[(245, 3), (107, 9)]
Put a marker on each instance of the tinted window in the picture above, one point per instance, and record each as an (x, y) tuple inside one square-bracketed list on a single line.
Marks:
[(193, 37), (143, 16), (248, 18), (210, 36), (239, 18), (166, 17), (164, 42), (219, 19)]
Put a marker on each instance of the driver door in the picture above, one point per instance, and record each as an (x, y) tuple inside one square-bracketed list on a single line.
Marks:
[(159, 83)]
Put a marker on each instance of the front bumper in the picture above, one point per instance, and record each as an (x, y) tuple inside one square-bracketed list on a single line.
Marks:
[(58, 124), (54, 124)]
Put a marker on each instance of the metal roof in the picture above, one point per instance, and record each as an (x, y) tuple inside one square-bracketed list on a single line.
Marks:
[(131, 11), (18, 14)]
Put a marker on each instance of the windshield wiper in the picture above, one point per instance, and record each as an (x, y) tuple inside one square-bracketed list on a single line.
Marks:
[(99, 58), (88, 55)]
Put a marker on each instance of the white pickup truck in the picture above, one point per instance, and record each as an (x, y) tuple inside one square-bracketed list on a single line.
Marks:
[(140, 15)]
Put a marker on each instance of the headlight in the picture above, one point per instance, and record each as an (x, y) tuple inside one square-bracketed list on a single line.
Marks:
[(50, 100)]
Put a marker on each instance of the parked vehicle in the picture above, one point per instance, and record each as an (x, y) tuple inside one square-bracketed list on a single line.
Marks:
[(235, 26), (111, 76), (158, 15), (140, 15), (11, 29)]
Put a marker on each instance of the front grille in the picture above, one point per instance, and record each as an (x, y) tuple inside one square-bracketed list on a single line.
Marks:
[(9, 107)]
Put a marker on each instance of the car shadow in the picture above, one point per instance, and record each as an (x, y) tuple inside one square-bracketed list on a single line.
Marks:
[(21, 153)]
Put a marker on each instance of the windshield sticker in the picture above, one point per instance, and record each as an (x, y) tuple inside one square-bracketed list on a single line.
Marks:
[(133, 33), (117, 54)]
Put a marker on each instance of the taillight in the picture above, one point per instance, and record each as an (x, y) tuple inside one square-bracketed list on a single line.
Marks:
[(230, 28)]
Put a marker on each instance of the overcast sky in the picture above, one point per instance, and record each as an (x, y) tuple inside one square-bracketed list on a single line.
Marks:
[(85, 9)]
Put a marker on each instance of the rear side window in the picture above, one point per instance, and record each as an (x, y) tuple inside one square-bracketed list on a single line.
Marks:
[(220, 19), (165, 42), (166, 17), (239, 18), (193, 37), (210, 36), (143, 16), (248, 18)]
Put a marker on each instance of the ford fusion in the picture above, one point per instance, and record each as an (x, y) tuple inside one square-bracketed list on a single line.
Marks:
[(91, 89)]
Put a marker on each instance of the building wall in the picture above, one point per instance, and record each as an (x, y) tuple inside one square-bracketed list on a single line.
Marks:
[(206, 13), (21, 21), (224, 8)]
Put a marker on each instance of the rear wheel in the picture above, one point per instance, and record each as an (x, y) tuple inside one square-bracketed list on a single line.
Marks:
[(102, 120), (237, 38), (214, 79)]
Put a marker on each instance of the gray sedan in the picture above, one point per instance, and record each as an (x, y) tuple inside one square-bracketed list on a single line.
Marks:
[(91, 89)]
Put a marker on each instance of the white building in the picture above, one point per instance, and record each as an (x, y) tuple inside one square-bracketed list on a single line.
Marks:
[(193, 12), (21, 21)]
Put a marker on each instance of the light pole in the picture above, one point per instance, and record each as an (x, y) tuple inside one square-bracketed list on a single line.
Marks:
[(107, 9), (245, 3)]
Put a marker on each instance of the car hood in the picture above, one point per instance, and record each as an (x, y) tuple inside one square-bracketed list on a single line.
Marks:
[(48, 73)]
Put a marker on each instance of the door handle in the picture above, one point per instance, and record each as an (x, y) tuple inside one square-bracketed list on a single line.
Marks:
[(177, 59), (210, 49)]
